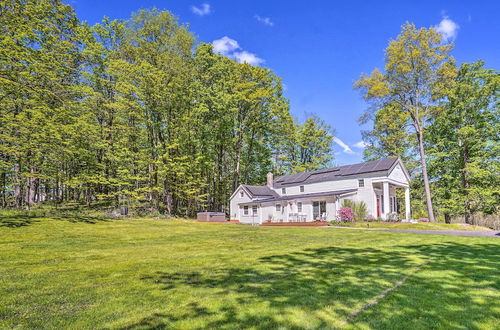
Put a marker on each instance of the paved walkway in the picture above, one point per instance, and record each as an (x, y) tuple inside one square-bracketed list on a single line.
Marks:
[(489, 233)]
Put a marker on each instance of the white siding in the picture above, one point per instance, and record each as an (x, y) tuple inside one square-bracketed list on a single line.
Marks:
[(233, 205), (398, 175), (365, 194), (250, 218)]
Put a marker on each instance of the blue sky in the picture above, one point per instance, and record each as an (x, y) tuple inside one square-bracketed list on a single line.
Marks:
[(319, 48)]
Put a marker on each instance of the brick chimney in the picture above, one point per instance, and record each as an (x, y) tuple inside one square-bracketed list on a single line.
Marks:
[(270, 180)]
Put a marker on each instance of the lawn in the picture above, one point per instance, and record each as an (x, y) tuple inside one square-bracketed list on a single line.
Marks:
[(418, 226), (83, 272)]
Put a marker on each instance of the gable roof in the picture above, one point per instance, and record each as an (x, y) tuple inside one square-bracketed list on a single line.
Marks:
[(335, 173), (259, 191)]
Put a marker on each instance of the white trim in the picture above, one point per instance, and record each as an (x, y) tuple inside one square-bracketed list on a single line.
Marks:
[(405, 171), (392, 181), (237, 189)]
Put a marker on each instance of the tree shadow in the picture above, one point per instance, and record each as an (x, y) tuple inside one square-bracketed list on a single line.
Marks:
[(80, 218), (16, 221), (329, 284), (22, 220)]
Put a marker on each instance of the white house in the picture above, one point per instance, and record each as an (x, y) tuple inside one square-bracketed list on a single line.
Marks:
[(318, 195)]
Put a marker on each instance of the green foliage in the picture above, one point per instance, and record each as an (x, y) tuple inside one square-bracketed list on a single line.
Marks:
[(359, 208), (405, 97), (132, 113), (465, 145), (305, 147)]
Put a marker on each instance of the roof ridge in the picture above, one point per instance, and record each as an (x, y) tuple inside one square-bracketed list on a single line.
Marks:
[(337, 167), (326, 174)]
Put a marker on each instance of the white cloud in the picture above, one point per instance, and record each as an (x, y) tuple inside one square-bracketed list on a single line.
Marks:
[(202, 10), (344, 146), (447, 28), (230, 48), (359, 145), (247, 57), (225, 45), (266, 20)]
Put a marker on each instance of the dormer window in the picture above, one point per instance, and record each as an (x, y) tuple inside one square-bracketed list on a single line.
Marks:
[(241, 193), (301, 188), (283, 191), (361, 183)]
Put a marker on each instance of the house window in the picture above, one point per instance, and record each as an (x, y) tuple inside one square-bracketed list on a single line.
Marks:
[(319, 209), (394, 204), (301, 188), (278, 207), (241, 193), (283, 191), (361, 183), (254, 210), (245, 210), (299, 206)]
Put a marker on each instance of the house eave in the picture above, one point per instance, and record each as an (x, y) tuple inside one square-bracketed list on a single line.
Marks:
[(302, 196)]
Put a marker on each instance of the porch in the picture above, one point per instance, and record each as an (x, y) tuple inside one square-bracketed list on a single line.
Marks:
[(385, 198), (305, 208)]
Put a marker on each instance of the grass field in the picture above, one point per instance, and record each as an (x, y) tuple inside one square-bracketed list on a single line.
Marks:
[(418, 226), (83, 272)]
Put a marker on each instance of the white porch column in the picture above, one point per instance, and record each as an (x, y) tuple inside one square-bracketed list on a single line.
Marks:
[(385, 191), (407, 203), (337, 207)]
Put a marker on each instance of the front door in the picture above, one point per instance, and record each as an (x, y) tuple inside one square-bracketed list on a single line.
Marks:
[(378, 206)]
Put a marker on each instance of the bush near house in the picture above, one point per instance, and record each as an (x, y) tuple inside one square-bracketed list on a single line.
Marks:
[(359, 208), (346, 214)]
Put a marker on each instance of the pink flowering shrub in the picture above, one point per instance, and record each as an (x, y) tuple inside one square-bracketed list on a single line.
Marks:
[(346, 214), (424, 220)]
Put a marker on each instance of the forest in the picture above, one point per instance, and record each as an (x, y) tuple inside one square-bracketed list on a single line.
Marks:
[(138, 113)]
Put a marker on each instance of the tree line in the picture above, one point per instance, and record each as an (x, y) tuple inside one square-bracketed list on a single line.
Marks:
[(136, 112), (442, 119)]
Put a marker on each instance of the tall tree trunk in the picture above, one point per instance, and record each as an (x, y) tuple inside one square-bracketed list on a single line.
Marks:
[(4, 189), (236, 175), (420, 137), (465, 186), (17, 184), (30, 190)]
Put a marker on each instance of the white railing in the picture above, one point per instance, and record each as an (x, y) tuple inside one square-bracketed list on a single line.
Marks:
[(292, 217)]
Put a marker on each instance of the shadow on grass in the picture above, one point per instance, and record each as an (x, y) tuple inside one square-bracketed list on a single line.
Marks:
[(16, 221), (330, 284), (20, 220), (80, 218)]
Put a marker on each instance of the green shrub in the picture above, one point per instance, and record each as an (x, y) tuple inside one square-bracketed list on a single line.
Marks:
[(359, 209)]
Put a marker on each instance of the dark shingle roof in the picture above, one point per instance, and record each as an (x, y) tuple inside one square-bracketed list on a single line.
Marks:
[(311, 195), (260, 191), (335, 173)]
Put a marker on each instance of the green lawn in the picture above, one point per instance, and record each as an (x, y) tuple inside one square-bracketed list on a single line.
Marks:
[(82, 272), (418, 226)]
